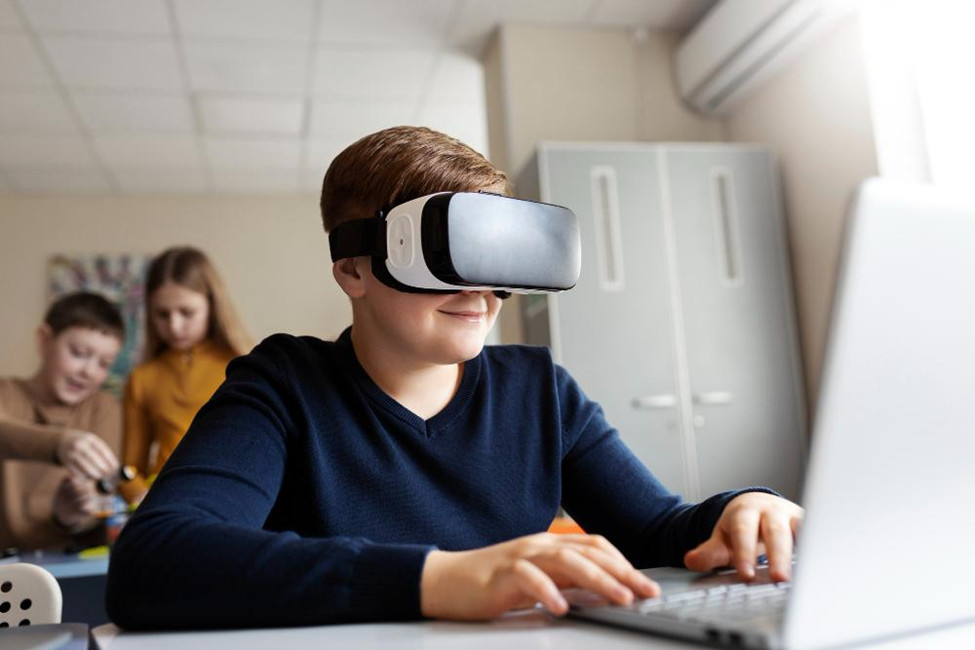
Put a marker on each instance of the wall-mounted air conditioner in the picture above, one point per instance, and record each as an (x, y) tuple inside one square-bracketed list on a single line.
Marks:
[(740, 43)]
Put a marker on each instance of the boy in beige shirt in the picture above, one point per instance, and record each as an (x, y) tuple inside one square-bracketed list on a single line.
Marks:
[(58, 433)]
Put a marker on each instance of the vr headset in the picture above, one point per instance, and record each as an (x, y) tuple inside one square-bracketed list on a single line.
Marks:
[(467, 241)]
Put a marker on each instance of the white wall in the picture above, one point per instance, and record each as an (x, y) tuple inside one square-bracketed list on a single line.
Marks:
[(816, 116), (272, 252)]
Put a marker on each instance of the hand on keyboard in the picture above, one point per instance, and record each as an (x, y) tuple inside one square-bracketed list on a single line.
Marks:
[(486, 582), (751, 524)]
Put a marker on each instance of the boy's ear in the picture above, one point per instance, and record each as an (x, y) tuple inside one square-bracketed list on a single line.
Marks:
[(348, 274), (44, 336)]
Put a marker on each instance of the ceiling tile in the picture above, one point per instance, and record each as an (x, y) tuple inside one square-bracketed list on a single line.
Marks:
[(347, 121), (164, 181), (56, 151), (373, 73), (60, 181), (320, 152), (114, 64), (477, 19), (253, 154), (457, 78), (246, 69), (118, 113), (659, 14), (21, 64), (251, 115), (385, 22), (122, 152), (23, 110), (243, 182), (466, 122), (102, 16), (8, 15), (251, 19)]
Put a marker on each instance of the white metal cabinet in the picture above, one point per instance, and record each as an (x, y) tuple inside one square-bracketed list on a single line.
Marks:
[(682, 323)]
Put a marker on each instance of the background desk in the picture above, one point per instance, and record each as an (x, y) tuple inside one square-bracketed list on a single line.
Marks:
[(527, 630)]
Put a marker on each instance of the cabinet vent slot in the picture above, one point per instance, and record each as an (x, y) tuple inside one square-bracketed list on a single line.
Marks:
[(606, 214)]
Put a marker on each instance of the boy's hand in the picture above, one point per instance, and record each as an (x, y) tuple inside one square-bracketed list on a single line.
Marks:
[(751, 524), (85, 454), (74, 502), (486, 582)]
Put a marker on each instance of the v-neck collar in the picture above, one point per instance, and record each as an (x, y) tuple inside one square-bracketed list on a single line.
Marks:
[(431, 427)]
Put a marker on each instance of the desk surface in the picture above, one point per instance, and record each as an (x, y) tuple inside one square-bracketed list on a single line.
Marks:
[(65, 565), (521, 630)]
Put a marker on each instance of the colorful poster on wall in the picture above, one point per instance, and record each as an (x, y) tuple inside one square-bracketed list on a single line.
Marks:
[(120, 277)]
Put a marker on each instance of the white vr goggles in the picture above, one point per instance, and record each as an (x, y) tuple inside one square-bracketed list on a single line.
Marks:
[(467, 241)]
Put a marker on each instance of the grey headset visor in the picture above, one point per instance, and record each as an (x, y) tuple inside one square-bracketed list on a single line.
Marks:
[(457, 241)]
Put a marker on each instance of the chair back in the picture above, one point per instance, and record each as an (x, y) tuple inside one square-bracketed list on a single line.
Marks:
[(29, 595)]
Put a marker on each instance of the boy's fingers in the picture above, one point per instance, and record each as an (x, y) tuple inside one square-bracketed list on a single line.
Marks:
[(533, 582), (621, 569), (777, 536), (579, 571), (743, 534)]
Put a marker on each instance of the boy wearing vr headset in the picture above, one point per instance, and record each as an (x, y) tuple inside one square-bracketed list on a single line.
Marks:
[(405, 470)]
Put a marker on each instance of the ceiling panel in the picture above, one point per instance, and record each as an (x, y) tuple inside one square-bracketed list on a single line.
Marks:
[(115, 63), (251, 115), (251, 19), (669, 14), (457, 78), (163, 181), (476, 19), (45, 151), (220, 67), (8, 15), (22, 67), (127, 113), (102, 16), (254, 154), (352, 119), (243, 182), (60, 181), (149, 151), (373, 73), (37, 110), (319, 156), (380, 22)]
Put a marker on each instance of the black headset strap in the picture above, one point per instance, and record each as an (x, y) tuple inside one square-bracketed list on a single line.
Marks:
[(358, 237)]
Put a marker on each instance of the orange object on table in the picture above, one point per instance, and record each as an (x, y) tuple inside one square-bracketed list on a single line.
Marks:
[(565, 525)]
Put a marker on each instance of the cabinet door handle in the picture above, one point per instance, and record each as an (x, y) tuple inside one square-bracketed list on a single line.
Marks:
[(712, 398), (661, 401)]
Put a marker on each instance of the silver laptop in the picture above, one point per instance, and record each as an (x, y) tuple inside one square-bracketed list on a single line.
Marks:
[(887, 544)]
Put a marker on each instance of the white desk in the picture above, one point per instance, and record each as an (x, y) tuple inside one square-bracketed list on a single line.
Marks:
[(527, 630)]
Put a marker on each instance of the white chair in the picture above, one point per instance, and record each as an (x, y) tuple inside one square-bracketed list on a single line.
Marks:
[(29, 595)]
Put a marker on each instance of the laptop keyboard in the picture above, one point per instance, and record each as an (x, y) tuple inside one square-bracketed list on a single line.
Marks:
[(735, 604)]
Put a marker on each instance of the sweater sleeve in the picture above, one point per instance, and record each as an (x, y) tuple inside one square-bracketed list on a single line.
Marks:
[(27, 441), (609, 491), (195, 554)]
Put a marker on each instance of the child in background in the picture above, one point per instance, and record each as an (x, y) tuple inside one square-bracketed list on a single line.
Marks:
[(405, 470), (59, 417), (192, 333)]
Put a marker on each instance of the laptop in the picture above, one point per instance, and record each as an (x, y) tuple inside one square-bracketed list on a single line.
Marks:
[(886, 545)]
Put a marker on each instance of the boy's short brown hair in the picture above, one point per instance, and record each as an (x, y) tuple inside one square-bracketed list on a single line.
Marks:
[(399, 164), (85, 309)]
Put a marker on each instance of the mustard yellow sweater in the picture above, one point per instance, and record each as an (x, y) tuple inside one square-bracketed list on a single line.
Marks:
[(161, 398)]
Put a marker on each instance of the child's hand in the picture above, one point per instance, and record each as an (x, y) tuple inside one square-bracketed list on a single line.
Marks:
[(751, 524), (74, 502), (486, 582), (86, 455)]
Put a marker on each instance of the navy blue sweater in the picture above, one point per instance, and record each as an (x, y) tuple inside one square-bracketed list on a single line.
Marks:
[(303, 494)]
